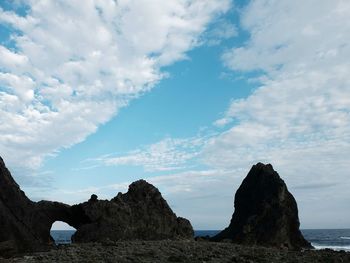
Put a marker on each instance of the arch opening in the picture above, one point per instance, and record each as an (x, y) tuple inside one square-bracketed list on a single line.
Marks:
[(62, 233)]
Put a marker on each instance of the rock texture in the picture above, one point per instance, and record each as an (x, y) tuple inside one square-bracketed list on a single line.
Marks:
[(20, 230), (141, 213), (265, 213), (178, 251)]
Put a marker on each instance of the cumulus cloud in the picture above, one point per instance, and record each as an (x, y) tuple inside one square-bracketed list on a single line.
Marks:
[(69, 66)]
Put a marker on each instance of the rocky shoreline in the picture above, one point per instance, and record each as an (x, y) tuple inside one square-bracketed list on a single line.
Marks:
[(177, 251), (139, 226)]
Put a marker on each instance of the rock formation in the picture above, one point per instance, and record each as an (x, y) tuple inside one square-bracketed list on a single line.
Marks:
[(15, 215), (265, 213), (141, 213)]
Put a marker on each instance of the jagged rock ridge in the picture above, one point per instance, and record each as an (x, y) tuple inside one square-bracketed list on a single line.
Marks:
[(141, 213), (265, 213)]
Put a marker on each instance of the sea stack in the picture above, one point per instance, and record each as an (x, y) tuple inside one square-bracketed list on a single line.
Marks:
[(266, 213)]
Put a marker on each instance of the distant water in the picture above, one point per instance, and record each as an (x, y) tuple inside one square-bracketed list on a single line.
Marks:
[(337, 239), (62, 236)]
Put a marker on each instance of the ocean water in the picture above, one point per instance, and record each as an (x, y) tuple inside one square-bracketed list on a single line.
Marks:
[(62, 237), (337, 239)]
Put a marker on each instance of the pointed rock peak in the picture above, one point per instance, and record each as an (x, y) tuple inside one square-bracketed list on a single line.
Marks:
[(5, 176), (141, 185), (266, 213), (261, 169), (141, 188)]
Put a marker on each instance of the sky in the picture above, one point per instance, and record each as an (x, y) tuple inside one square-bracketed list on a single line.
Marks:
[(187, 94)]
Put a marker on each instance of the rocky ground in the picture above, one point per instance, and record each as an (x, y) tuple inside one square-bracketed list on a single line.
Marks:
[(177, 251)]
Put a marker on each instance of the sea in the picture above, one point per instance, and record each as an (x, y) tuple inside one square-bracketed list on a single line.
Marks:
[(336, 239)]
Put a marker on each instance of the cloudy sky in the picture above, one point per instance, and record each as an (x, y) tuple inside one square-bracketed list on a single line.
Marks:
[(187, 94)]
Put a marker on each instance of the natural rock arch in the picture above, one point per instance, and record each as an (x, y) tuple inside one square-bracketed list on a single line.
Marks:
[(50, 212), (141, 213)]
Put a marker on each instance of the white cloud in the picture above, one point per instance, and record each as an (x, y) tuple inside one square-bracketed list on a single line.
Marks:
[(303, 98), (221, 30), (205, 197), (165, 155), (292, 36), (299, 118), (73, 65)]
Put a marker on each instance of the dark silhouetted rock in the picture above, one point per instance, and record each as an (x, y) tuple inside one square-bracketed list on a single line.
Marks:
[(93, 198), (25, 225), (141, 213), (16, 216), (265, 213)]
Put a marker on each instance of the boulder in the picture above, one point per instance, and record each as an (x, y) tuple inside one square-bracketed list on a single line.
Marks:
[(265, 214), (141, 213)]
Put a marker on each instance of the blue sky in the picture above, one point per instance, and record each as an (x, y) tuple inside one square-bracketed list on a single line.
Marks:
[(180, 106), (186, 94)]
